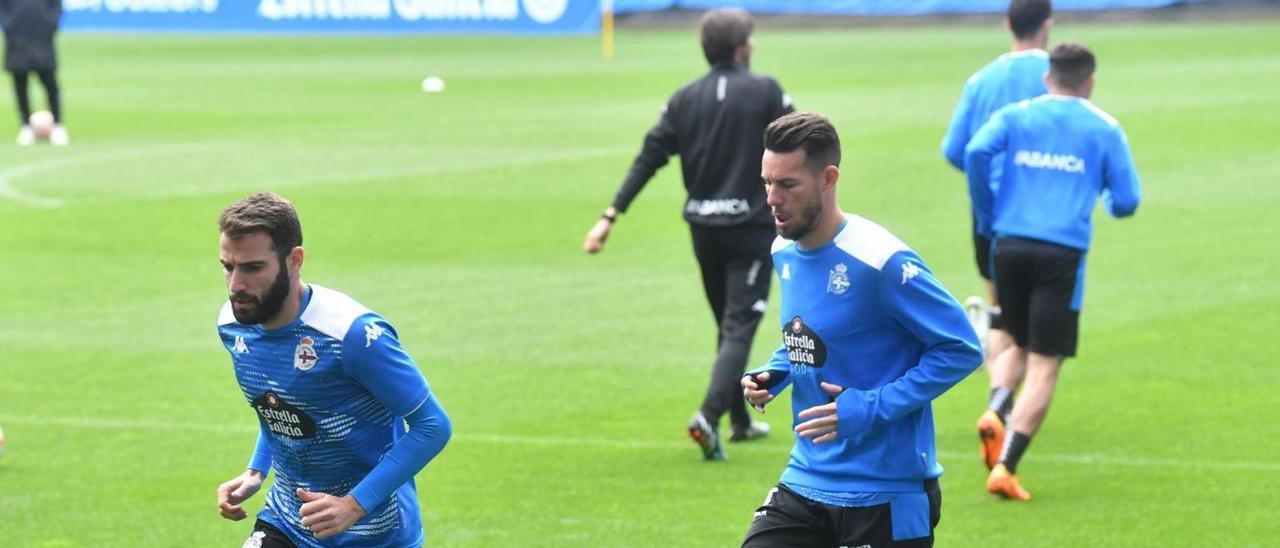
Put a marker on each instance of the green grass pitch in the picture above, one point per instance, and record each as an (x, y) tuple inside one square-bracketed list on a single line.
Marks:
[(569, 379)]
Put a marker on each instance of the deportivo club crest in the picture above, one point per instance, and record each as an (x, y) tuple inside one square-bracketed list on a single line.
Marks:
[(838, 280), (304, 356)]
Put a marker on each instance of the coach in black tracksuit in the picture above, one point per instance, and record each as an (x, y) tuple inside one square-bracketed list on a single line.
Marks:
[(716, 124), (29, 28)]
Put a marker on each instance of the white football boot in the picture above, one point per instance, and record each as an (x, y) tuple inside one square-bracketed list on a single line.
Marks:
[(26, 137), (58, 137)]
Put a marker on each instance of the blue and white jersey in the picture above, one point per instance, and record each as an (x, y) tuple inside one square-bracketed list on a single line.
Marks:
[(329, 390), (1060, 154), (1010, 78), (865, 313)]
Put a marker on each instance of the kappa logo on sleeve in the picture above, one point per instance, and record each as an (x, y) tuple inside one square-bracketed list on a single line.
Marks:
[(909, 270), (371, 333)]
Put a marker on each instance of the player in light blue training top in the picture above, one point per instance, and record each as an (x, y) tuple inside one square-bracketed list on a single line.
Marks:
[(333, 390), (870, 338), (1060, 154), (1012, 77)]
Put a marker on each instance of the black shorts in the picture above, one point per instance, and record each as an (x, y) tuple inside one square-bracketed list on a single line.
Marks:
[(789, 520), (982, 252), (265, 535), (1040, 286)]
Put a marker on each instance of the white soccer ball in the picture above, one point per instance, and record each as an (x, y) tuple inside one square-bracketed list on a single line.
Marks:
[(432, 84), (41, 123)]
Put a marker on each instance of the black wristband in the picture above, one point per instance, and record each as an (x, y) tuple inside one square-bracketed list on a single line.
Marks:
[(611, 218)]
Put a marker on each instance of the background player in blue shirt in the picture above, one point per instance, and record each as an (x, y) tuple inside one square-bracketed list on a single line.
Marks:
[(333, 390), (870, 338), (1012, 77), (1060, 153)]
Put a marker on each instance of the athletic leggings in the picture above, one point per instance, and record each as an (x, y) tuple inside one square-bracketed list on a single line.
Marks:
[(24, 100)]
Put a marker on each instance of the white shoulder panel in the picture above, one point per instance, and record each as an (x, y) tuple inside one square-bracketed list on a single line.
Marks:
[(779, 244), (1099, 112), (225, 316), (331, 312), (868, 242), (1033, 52)]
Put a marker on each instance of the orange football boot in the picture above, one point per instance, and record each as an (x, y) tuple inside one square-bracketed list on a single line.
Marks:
[(1002, 482), (991, 434)]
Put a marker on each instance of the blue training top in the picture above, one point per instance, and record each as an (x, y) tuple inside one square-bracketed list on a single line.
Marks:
[(1010, 78), (1060, 154), (865, 313), (333, 391)]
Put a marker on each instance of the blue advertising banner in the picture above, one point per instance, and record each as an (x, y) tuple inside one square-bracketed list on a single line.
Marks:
[(358, 16), (877, 7)]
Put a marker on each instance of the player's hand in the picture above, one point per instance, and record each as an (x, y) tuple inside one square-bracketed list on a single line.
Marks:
[(755, 395), (326, 515), (822, 424), (596, 237), (236, 491)]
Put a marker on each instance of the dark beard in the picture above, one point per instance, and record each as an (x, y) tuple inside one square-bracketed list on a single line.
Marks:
[(810, 215), (266, 307)]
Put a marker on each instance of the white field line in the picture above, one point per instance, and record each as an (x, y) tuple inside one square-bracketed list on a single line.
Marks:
[(607, 443), (12, 194), (7, 176)]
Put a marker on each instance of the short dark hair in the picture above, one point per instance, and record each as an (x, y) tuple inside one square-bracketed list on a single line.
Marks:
[(265, 212), (1071, 64), (1026, 17), (722, 31), (809, 131)]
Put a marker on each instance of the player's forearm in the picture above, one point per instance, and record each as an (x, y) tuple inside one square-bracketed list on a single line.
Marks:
[(951, 349), (779, 369), (980, 193), (953, 145), (954, 157), (655, 153), (778, 380), (1122, 199), (938, 370), (429, 431), (978, 153), (958, 133), (261, 460), (637, 177)]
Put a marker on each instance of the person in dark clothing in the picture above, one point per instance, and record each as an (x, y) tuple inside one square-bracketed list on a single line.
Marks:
[(29, 29), (716, 124)]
